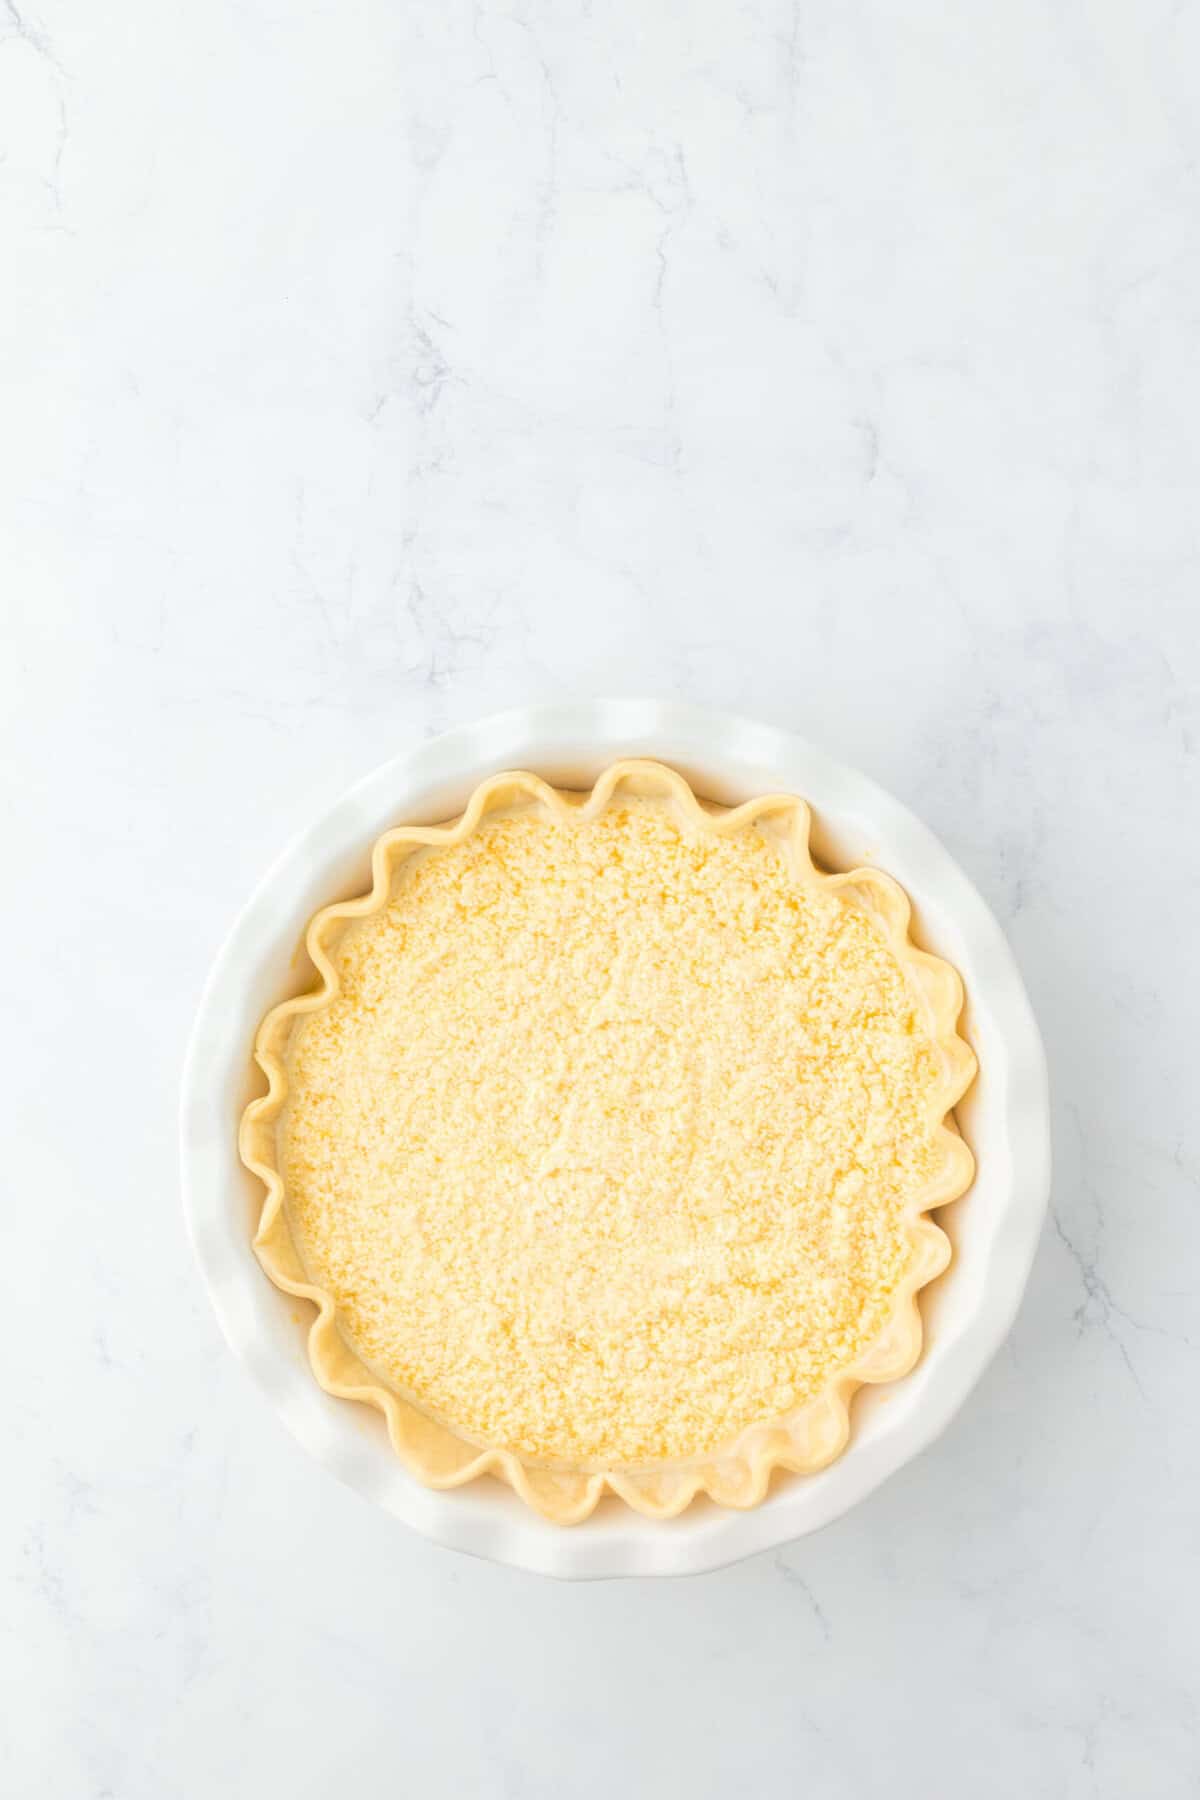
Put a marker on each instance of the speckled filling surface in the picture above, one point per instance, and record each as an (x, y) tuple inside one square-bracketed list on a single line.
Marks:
[(605, 1144)]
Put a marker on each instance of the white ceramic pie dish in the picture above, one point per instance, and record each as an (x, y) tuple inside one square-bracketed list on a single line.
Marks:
[(994, 1227)]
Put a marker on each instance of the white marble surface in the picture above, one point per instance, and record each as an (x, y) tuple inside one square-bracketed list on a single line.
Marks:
[(369, 366)]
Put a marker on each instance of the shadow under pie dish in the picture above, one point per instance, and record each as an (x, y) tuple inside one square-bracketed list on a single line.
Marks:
[(605, 1142)]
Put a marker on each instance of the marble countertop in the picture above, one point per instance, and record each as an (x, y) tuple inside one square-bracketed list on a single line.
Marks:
[(367, 367)]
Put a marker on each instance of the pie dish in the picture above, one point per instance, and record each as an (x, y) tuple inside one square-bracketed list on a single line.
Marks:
[(605, 1143)]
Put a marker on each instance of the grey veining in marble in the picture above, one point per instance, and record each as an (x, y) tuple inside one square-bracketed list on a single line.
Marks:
[(366, 367)]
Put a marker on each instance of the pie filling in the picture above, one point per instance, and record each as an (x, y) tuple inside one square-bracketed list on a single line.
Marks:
[(609, 1142)]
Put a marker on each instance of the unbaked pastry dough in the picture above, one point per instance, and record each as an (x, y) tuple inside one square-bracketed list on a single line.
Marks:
[(605, 1143)]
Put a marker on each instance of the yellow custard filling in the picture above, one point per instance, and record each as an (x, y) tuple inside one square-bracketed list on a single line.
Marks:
[(606, 1145)]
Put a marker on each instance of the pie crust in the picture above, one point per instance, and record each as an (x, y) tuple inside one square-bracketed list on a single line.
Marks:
[(566, 1488)]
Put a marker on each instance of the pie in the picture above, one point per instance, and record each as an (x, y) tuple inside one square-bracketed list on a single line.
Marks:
[(605, 1141)]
